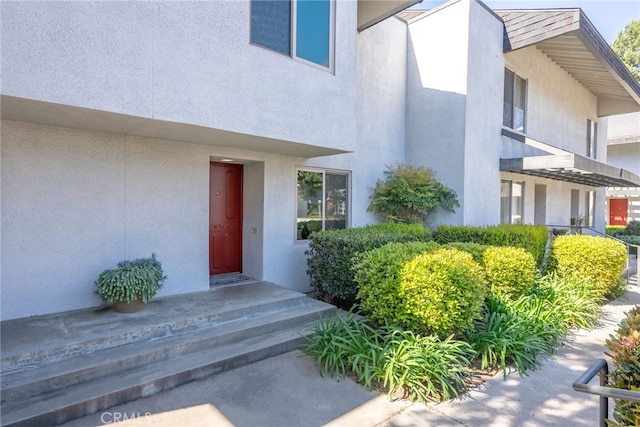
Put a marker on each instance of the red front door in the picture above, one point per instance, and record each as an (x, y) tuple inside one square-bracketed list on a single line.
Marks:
[(225, 218), (618, 211)]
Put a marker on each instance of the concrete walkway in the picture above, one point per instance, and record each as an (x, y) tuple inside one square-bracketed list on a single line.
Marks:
[(287, 390)]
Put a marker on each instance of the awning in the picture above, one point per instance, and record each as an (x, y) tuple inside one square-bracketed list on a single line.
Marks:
[(566, 166)]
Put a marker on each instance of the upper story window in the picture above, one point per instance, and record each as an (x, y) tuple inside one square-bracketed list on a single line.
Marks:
[(302, 29), (515, 100), (323, 201), (592, 138)]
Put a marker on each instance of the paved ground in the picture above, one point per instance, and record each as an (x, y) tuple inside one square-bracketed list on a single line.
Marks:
[(287, 391)]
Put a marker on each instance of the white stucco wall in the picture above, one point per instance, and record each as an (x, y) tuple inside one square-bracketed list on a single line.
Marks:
[(437, 66), (76, 202), (483, 118), (188, 62)]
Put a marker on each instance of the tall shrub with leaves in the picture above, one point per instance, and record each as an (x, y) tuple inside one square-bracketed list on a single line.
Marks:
[(409, 193), (624, 350), (599, 259)]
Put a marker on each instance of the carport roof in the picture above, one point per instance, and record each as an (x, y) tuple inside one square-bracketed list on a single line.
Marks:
[(554, 163)]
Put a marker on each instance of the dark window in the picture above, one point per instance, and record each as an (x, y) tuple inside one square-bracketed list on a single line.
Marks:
[(515, 98)]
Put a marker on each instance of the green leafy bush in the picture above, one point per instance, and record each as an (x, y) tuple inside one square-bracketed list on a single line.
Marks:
[(475, 249), (424, 367), (409, 193), (510, 272), (507, 334), (573, 299), (532, 238), (331, 255), (632, 229), (599, 259), (612, 230), (634, 240), (132, 279), (624, 350), (378, 278), (442, 293)]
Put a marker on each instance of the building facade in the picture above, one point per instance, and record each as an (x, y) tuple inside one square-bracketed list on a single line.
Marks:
[(623, 150), (219, 135)]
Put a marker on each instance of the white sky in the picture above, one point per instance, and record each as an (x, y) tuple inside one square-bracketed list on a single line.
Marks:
[(609, 16)]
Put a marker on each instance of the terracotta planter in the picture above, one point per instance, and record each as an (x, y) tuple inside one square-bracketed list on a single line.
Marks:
[(128, 307)]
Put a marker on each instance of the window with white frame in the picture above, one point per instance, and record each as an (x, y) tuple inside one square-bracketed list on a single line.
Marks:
[(592, 140), (511, 202), (301, 29), (590, 208), (515, 99), (322, 201)]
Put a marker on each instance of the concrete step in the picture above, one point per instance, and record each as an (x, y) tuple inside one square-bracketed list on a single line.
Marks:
[(62, 389)]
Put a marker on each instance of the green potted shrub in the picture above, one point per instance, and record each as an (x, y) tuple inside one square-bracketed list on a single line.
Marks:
[(131, 284)]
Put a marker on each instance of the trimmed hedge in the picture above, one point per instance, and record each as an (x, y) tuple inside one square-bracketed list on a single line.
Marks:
[(475, 249), (532, 238), (598, 259), (378, 277), (439, 292), (511, 272), (331, 255)]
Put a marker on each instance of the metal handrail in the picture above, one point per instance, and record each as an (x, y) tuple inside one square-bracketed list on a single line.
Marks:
[(601, 367)]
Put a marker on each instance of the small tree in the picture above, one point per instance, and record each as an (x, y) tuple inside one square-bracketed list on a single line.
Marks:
[(627, 47), (409, 194)]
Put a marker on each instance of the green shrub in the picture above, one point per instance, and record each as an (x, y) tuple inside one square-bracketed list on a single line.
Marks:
[(409, 193), (632, 229), (634, 240), (140, 278), (475, 249), (510, 272), (378, 278), (331, 254), (424, 367), (532, 238), (624, 350), (508, 335), (599, 259), (612, 230), (442, 293), (573, 299)]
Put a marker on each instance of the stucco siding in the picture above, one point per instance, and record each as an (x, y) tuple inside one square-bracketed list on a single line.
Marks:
[(557, 105), (436, 97), (187, 62), (77, 202), (481, 204)]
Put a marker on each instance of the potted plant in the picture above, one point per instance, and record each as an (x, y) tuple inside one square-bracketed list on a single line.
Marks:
[(132, 284)]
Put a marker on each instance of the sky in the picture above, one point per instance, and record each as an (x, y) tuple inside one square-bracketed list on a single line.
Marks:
[(608, 16)]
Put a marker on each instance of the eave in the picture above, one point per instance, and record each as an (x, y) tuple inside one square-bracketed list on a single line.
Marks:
[(371, 12), (569, 39)]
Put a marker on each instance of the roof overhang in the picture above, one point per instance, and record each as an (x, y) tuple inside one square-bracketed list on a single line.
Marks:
[(47, 113), (563, 165), (370, 12), (572, 41)]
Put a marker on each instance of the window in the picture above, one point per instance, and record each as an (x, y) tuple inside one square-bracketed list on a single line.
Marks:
[(322, 201), (592, 138), (590, 208), (511, 202), (514, 107), (302, 29)]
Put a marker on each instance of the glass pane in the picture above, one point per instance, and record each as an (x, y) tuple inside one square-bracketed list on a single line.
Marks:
[(505, 202), (516, 202), (590, 208), (336, 202), (519, 104), (313, 25), (271, 24), (507, 110), (309, 217)]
